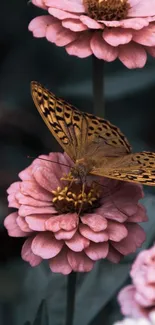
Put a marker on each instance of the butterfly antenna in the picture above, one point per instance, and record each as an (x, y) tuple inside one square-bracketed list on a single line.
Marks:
[(52, 161)]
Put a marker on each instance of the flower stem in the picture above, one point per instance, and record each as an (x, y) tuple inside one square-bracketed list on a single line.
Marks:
[(71, 289), (98, 86)]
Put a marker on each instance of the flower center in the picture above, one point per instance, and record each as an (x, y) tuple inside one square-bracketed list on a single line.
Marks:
[(71, 198), (107, 9)]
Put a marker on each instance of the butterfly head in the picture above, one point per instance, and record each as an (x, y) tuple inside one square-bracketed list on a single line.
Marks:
[(79, 172), (81, 169)]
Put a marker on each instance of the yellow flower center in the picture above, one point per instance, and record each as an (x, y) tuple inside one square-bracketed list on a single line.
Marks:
[(107, 9), (72, 198)]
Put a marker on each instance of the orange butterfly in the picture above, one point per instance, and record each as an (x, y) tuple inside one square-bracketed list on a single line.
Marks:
[(95, 145)]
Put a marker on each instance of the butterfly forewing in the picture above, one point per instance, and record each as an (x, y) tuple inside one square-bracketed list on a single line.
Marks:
[(80, 134), (58, 116)]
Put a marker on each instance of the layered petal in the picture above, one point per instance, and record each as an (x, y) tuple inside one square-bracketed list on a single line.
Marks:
[(79, 262), (28, 255), (101, 49), (12, 227), (66, 5), (71, 25), (46, 246), (72, 241), (81, 46), (132, 55), (117, 36), (142, 9), (39, 25), (60, 264), (138, 299)]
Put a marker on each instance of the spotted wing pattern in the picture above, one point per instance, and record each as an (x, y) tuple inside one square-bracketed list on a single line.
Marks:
[(89, 137), (136, 167), (80, 134)]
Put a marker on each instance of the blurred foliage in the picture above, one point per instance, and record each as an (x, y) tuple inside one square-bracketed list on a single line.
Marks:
[(41, 316)]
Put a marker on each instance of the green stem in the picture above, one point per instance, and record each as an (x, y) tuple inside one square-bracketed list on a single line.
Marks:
[(71, 290), (98, 86)]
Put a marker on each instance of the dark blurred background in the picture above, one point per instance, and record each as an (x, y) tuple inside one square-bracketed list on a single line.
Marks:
[(130, 104)]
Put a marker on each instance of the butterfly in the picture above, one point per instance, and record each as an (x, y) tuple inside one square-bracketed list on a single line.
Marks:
[(95, 145)]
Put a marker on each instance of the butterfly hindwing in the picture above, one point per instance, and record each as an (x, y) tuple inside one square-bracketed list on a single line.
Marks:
[(136, 167), (106, 137)]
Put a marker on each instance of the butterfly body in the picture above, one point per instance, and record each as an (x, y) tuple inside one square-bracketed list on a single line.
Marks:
[(94, 145), (82, 168)]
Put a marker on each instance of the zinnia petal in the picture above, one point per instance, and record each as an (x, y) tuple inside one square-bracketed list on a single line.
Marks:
[(140, 215), (113, 255), (96, 237), (26, 174), (132, 55), (60, 35), (26, 210), (134, 239), (81, 46), (65, 235), (61, 14), (66, 5), (95, 221), (12, 226), (146, 36), (134, 23), (64, 221), (39, 3), (74, 25), (28, 200), (46, 246), (116, 231), (142, 9), (60, 264), (97, 251), (101, 49), (37, 222), (14, 187), (39, 25), (77, 243), (13, 202), (117, 36), (23, 224), (45, 179), (27, 254), (32, 189), (128, 304), (79, 262), (90, 23)]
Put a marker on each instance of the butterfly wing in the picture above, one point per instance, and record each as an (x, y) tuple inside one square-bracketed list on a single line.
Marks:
[(104, 139), (64, 121), (80, 134), (136, 167)]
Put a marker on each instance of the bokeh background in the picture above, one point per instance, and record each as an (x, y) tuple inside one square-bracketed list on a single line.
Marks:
[(129, 103)]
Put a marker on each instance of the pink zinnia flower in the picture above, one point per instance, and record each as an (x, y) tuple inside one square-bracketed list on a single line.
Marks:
[(140, 321), (48, 214), (138, 299), (123, 29)]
